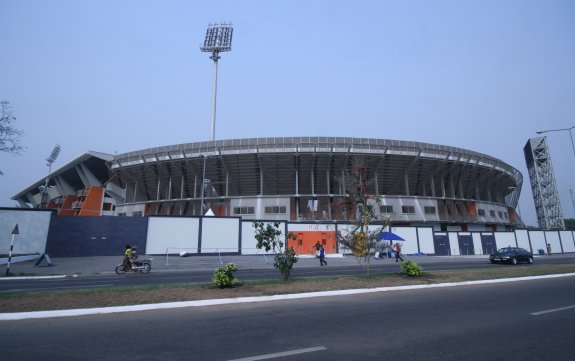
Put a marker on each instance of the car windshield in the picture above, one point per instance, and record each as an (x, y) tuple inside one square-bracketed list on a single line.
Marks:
[(506, 250)]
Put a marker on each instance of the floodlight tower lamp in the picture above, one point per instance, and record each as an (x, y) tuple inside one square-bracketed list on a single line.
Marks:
[(51, 159), (218, 39), (561, 130)]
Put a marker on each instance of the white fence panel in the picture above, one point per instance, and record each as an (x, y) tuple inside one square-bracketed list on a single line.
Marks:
[(409, 246), (567, 241), (523, 239), (552, 238), (249, 241), (537, 241), (426, 244), (220, 235), (505, 239), (454, 243), (177, 234)]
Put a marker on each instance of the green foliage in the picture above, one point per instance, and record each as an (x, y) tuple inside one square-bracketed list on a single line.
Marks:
[(269, 237), (361, 239), (285, 261), (224, 276), (411, 269), (9, 136), (570, 224)]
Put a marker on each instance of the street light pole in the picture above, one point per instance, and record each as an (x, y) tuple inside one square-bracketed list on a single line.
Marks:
[(218, 39), (203, 186), (561, 130), (572, 200)]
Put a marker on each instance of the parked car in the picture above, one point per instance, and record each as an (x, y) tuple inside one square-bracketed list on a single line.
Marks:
[(511, 255)]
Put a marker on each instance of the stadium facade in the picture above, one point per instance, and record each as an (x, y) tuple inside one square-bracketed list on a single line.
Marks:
[(294, 179)]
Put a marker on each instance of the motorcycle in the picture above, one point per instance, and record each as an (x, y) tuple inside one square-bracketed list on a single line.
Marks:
[(143, 266)]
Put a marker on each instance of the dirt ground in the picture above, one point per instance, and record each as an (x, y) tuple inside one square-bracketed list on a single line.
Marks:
[(40, 301)]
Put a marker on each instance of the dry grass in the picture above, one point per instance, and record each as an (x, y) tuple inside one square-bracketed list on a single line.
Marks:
[(39, 301)]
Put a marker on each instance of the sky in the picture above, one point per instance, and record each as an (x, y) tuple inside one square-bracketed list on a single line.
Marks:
[(118, 76)]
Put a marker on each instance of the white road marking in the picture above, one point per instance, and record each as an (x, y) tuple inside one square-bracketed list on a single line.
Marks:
[(553, 310), (33, 278), (281, 354), (55, 288)]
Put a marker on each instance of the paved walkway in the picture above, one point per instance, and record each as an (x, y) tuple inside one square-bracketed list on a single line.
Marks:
[(104, 265)]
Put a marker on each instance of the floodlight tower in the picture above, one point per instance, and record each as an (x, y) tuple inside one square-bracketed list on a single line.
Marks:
[(51, 159), (218, 39), (543, 184)]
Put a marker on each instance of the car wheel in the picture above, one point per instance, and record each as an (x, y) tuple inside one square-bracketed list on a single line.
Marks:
[(514, 261), (492, 261), (530, 260)]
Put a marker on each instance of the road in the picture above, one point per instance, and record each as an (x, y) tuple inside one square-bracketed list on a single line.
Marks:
[(109, 280), (481, 322)]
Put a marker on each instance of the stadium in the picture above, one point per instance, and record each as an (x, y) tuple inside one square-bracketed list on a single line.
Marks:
[(297, 179)]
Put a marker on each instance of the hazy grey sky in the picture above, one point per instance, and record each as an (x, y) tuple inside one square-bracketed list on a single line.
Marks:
[(118, 76)]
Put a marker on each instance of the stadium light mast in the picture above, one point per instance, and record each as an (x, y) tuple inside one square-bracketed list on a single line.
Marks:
[(51, 159), (561, 130), (543, 184), (218, 39)]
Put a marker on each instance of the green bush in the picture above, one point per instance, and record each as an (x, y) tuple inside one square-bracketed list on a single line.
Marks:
[(269, 237), (411, 269), (224, 276)]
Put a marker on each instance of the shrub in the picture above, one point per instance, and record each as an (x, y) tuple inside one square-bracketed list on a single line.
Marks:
[(224, 276), (269, 237), (411, 269)]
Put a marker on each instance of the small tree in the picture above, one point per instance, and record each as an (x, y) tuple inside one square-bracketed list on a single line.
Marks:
[(360, 239), (9, 136), (269, 237)]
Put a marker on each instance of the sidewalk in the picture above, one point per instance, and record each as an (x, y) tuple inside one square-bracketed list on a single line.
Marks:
[(106, 265)]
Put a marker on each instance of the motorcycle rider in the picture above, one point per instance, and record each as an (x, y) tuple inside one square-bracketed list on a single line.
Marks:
[(128, 256)]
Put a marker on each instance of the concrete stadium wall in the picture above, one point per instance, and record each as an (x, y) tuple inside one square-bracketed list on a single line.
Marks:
[(43, 231), (33, 228), (95, 236)]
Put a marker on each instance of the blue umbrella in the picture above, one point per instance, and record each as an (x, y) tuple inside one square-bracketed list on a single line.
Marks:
[(390, 236)]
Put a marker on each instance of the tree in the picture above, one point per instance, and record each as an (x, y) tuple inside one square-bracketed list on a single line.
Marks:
[(360, 238), (9, 136), (270, 238), (569, 224)]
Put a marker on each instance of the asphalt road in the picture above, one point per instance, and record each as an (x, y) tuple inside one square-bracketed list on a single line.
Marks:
[(109, 280), (481, 322)]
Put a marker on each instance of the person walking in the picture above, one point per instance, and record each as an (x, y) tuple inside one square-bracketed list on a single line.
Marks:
[(322, 261), (549, 249), (398, 252)]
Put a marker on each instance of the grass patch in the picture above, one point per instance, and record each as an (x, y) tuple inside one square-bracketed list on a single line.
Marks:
[(87, 298)]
